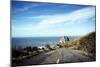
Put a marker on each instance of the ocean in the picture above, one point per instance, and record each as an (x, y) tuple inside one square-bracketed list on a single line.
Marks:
[(36, 41)]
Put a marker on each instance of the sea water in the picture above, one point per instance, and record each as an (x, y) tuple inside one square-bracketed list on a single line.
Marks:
[(36, 41)]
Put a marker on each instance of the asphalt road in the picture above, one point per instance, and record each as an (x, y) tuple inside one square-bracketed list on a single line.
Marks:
[(62, 55)]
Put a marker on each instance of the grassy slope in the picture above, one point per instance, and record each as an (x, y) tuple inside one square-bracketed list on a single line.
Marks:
[(86, 44)]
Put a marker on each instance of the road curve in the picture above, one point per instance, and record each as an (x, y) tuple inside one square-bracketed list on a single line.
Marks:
[(62, 55)]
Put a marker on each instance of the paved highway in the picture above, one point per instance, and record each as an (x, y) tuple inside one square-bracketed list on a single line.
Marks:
[(62, 55)]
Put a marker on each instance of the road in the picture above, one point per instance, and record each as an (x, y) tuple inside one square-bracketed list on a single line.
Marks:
[(62, 55)]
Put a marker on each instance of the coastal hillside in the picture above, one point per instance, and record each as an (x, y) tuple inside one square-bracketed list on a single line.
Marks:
[(83, 49), (87, 44)]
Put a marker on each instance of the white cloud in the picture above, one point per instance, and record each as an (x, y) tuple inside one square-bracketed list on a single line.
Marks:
[(29, 6), (47, 21), (74, 17)]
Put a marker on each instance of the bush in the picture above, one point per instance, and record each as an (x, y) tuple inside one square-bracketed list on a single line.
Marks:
[(86, 43)]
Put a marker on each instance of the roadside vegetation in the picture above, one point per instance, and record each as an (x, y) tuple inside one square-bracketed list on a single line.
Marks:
[(85, 44), (19, 54)]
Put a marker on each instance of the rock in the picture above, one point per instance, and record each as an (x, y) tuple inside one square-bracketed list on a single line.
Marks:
[(64, 39)]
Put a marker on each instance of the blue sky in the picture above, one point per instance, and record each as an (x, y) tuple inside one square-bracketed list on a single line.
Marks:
[(31, 19)]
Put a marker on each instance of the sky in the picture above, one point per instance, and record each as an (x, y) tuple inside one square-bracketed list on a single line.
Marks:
[(34, 19)]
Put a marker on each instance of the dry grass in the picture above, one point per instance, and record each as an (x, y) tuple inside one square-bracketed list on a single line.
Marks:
[(86, 44)]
